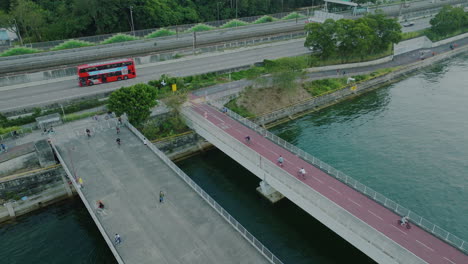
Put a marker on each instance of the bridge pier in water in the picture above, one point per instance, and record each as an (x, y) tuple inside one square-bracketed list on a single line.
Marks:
[(269, 192)]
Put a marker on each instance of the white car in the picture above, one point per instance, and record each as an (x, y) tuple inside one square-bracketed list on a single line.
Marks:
[(408, 24)]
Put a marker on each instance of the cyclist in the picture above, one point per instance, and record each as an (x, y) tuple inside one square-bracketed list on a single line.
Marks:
[(302, 172), (280, 161), (404, 220)]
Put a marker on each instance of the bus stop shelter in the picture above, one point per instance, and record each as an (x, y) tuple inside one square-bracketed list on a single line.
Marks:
[(346, 5), (45, 122)]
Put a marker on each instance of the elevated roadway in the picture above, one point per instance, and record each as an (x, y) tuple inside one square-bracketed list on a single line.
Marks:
[(361, 217)]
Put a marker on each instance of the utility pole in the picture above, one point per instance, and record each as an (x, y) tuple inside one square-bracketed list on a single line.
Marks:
[(131, 18), (217, 5), (236, 9), (18, 32), (282, 5)]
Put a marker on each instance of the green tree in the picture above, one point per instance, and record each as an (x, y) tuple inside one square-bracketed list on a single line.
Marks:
[(31, 18), (322, 38), (449, 20), (345, 40), (386, 31), (136, 101)]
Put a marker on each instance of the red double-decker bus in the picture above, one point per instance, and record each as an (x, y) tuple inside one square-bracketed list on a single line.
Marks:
[(111, 71)]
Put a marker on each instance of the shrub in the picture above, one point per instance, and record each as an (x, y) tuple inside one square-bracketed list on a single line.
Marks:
[(264, 19), (293, 15), (119, 38), (319, 87), (200, 27), (73, 117), (71, 44), (18, 51), (242, 111), (8, 129), (161, 33), (234, 23)]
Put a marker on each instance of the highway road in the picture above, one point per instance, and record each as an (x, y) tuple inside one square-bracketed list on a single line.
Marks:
[(18, 97), (82, 55)]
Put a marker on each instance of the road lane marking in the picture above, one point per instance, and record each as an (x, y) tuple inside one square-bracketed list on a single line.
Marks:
[(449, 260), (424, 245), (335, 190), (399, 229), (355, 202), (374, 214), (317, 179)]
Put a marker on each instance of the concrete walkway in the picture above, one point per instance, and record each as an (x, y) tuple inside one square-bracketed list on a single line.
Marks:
[(128, 179)]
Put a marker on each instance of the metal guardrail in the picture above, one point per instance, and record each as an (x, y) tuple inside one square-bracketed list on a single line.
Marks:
[(20, 132), (106, 235), (217, 207), (369, 192)]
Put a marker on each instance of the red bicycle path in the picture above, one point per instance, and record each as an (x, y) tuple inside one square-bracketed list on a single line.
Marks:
[(416, 240)]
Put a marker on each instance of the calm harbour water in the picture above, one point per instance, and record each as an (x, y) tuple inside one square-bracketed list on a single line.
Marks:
[(408, 141)]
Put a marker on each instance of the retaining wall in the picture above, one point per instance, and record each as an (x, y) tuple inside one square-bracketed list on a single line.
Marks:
[(29, 184)]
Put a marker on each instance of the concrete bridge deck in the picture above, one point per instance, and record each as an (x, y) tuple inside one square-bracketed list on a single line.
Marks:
[(366, 224), (128, 179)]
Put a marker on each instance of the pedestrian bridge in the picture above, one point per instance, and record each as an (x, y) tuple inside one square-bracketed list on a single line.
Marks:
[(360, 215), (188, 227)]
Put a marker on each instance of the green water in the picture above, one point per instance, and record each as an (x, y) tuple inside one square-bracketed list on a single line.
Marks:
[(61, 233), (408, 141)]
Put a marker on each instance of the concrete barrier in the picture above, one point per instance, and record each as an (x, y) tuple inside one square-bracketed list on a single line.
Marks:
[(351, 65)]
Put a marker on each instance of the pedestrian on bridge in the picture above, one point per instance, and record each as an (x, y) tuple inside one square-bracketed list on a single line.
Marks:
[(161, 197), (117, 239)]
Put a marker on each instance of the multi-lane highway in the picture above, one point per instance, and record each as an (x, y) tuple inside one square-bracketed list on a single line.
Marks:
[(35, 94), (79, 56), (21, 96)]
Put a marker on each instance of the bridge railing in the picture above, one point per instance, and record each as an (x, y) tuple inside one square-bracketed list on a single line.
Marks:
[(217, 207), (348, 180)]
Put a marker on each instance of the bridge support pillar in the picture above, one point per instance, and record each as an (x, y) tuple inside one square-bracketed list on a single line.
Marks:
[(268, 192), (11, 210)]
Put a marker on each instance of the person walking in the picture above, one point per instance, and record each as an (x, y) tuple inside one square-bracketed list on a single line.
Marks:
[(145, 142), (4, 147), (117, 239), (88, 132), (161, 197), (118, 141), (118, 130), (80, 182), (280, 161)]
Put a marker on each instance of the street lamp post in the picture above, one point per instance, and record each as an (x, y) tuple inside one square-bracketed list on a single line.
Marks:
[(236, 9), (217, 5), (131, 18)]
